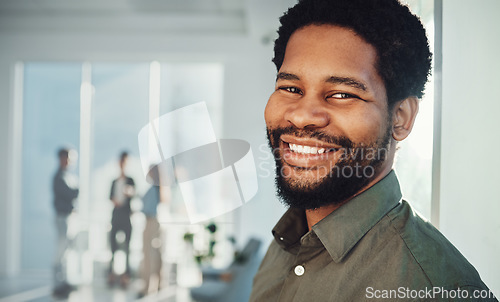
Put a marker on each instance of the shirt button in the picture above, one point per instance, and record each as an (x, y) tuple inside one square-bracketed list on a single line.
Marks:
[(299, 270), (281, 238)]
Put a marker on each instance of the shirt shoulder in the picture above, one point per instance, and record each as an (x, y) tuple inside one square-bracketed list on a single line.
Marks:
[(440, 261)]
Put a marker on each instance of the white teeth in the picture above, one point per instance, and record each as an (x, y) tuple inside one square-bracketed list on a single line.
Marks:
[(306, 149)]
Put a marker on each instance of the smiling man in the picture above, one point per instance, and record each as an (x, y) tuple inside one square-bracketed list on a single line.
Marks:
[(350, 76)]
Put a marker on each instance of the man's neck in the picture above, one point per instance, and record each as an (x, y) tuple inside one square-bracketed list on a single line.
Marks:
[(314, 216)]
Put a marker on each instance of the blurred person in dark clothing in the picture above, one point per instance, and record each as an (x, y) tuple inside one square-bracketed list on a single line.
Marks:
[(65, 188), (122, 191)]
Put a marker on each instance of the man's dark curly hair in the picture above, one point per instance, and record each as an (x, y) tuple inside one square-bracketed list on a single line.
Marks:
[(404, 58)]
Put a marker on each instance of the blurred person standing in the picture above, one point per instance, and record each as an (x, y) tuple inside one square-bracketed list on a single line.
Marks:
[(65, 188), (152, 237), (122, 191)]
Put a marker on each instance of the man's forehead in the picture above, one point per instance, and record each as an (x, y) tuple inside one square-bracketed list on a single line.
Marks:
[(327, 42), (330, 54)]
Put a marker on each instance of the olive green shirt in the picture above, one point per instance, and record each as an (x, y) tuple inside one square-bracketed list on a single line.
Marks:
[(374, 247)]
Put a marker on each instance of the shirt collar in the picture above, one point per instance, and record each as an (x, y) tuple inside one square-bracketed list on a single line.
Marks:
[(344, 227), (290, 228)]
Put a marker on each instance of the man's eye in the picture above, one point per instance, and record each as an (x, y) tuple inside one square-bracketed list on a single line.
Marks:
[(291, 89), (341, 95)]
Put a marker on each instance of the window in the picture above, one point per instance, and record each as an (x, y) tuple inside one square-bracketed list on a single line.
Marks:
[(99, 109)]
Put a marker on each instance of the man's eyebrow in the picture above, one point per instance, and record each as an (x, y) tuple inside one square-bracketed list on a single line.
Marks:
[(333, 79), (347, 81), (286, 76)]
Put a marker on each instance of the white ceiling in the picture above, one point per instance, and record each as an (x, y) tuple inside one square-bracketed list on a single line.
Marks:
[(179, 16), (114, 6), (182, 17)]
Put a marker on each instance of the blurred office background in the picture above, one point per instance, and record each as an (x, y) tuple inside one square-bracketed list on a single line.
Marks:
[(91, 74)]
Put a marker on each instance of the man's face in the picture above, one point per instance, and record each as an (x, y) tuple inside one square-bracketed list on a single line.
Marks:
[(64, 161), (328, 121), (68, 160)]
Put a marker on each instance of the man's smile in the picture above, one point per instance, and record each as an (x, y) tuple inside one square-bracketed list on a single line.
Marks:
[(306, 153)]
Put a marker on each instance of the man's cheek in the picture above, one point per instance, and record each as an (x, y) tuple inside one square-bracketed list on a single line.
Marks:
[(274, 111), (268, 113)]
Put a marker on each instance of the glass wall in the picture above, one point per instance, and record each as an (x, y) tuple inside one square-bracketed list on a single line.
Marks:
[(99, 109), (118, 110), (51, 120)]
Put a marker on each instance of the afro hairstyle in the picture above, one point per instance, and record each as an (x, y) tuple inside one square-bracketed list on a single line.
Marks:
[(403, 54)]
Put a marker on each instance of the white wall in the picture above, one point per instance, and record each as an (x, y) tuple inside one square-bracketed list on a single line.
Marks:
[(4, 135), (470, 205)]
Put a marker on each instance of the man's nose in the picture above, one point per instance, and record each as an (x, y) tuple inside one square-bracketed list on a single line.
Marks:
[(307, 113)]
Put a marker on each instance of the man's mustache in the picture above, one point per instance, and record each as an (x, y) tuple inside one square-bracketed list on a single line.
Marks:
[(276, 134)]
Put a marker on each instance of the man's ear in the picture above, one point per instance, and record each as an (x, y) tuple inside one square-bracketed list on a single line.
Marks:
[(403, 117)]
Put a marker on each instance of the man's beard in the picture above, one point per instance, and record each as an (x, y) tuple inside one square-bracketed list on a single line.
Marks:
[(354, 170)]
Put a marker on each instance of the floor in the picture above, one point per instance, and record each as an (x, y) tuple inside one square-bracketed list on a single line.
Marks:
[(38, 289)]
